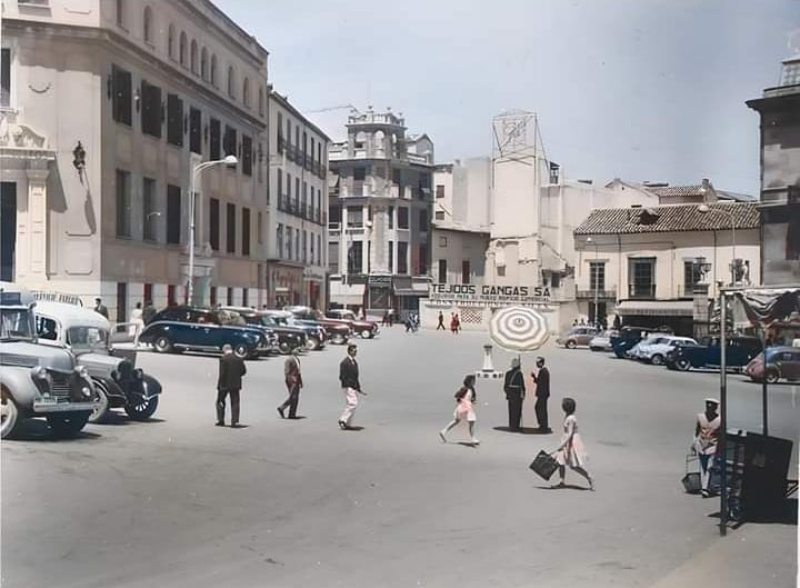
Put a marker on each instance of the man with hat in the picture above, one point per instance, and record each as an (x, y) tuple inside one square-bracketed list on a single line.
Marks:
[(706, 438)]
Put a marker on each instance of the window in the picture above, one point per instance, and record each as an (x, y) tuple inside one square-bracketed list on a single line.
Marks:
[(204, 63), (311, 151), (691, 277), (390, 215), (122, 21), (439, 215), (261, 104), (422, 263), (213, 296), (147, 26), (333, 257), (182, 54), (229, 141), (260, 228), (288, 186), (319, 152), (231, 222), (439, 191), (289, 249), (123, 204), (214, 144), (246, 92), (442, 271), (174, 120), (501, 271), (397, 176), (151, 110), (465, 272), (231, 82), (280, 187), (171, 295), (213, 220), (359, 173), (423, 220), (195, 131), (149, 209), (402, 257), (245, 297), (391, 256), (5, 77), (402, 217), (230, 296), (319, 250), (442, 242), (212, 75), (305, 246), (355, 217), (171, 42), (121, 95), (246, 231), (597, 275), (297, 137), (279, 239), (288, 132), (305, 144), (193, 57), (173, 215), (247, 155), (355, 257), (122, 302), (641, 277)]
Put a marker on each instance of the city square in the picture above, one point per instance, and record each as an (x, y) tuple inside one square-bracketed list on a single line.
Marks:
[(179, 502)]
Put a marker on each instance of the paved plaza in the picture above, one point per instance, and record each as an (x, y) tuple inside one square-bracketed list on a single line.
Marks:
[(178, 502)]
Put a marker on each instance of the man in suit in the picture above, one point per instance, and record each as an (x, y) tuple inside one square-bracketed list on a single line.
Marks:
[(99, 307), (542, 379), (231, 370), (351, 387), (514, 387), (294, 381)]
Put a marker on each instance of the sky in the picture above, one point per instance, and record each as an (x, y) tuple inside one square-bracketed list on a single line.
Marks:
[(637, 89)]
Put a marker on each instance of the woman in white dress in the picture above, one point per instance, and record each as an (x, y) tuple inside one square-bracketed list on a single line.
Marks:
[(571, 452), (137, 324), (465, 410)]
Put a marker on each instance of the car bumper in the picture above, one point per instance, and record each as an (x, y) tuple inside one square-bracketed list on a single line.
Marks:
[(44, 407)]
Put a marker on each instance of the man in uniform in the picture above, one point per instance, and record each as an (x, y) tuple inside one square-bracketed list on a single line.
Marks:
[(514, 387)]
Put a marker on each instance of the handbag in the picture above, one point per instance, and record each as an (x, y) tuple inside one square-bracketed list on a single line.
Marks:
[(544, 465), (691, 480)]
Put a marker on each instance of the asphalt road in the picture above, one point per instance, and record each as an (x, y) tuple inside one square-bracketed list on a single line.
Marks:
[(178, 502)]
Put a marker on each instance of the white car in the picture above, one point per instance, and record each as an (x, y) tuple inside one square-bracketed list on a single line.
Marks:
[(602, 342), (656, 350), (641, 347)]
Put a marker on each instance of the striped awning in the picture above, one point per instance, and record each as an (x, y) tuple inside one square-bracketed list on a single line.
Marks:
[(655, 308)]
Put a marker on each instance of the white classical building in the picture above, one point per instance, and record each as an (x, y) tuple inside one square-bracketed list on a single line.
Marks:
[(107, 107)]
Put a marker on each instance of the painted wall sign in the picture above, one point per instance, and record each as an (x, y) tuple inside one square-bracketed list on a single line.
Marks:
[(486, 295)]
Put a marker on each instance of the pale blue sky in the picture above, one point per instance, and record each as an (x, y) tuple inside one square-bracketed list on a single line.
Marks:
[(640, 89)]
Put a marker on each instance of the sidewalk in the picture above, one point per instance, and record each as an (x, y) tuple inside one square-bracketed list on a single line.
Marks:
[(753, 555)]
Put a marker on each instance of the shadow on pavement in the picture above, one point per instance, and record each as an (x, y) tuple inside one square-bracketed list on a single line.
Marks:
[(38, 430), (565, 487), (523, 431), (116, 419)]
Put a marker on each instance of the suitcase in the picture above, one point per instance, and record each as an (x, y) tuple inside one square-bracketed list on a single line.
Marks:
[(691, 480), (544, 465)]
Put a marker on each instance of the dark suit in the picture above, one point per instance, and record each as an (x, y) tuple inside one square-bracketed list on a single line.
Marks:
[(514, 387), (542, 380), (101, 309), (231, 370), (294, 381), (348, 373)]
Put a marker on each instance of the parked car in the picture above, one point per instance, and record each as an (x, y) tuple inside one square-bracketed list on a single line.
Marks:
[(340, 332), (577, 336), (316, 335), (655, 349), (119, 384), (288, 338), (36, 380), (629, 336), (602, 341), (179, 328), (708, 353), (783, 363), (364, 328)]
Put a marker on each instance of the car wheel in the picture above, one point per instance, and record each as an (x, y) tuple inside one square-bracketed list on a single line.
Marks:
[(571, 344), (339, 340), (312, 344), (68, 424), (683, 365), (657, 359), (102, 407), (365, 334), (162, 344), (284, 347), (9, 414), (141, 409), (241, 351), (772, 376)]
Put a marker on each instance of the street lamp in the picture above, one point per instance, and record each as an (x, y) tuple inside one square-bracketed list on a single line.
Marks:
[(227, 160), (596, 280), (706, 209)]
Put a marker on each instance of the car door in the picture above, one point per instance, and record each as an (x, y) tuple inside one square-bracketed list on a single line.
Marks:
[(789, 364)]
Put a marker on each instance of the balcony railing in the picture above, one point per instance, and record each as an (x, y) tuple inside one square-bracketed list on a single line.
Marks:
[(642, 292), (601, 294)]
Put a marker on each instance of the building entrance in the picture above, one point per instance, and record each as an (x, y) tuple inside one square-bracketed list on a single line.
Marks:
[(8, 230)]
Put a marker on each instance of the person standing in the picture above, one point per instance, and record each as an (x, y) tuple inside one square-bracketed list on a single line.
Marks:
[(99, 307), (571, 452), (542, 381), (148, 312), (514, 387), (294, 381), (705, 442), (441, 322), (465, 410), (231, 370), (351, 386), (137, 324)]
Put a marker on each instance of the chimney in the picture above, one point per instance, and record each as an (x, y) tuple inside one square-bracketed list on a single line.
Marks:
[(709, 195)]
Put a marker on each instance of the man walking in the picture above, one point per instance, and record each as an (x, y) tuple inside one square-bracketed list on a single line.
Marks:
[(294, 381), (99, 307), (441, 322), (542, 380), (149, 312), (351, 387), (514, 387), (231, 370)]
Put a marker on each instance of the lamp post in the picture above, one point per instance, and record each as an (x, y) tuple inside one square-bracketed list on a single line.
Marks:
[(227, 160), (706, 209)]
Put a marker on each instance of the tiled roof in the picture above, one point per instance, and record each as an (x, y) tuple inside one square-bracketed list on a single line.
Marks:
[(682, 217), (672, 191)]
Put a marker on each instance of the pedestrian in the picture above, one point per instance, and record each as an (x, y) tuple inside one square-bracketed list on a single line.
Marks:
[(705, 442), (575, 323), (351, 386), (385, 321), (137, 324), (231, 370), (148, 312), (391, 317), (583, 322), (409, 323), (542, 381), (441, 322), (514, 387), (100, 307), (465, 410), (571, 452), (453, 323), (294, 381)]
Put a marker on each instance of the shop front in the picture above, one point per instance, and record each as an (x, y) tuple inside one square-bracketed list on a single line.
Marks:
[(285, 284), (667, 315)]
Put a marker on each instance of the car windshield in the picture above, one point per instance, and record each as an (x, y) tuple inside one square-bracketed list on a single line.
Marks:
[(267, 320), (15, 323), (87, 338), (280, 320)]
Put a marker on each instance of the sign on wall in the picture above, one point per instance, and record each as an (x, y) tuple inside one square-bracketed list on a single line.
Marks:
[(486, 295)]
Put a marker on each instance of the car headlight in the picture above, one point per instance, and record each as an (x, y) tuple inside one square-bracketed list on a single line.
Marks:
[(86, 391), (82, 372), (39, 373)]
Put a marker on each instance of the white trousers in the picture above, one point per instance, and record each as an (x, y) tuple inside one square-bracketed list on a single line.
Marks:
[(351, 403)]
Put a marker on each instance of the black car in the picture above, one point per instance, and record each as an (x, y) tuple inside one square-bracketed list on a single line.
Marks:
[(740, 350), (289, 338), (316, 335)]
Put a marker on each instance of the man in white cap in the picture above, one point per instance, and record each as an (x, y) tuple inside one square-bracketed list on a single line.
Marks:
[(706, 438)]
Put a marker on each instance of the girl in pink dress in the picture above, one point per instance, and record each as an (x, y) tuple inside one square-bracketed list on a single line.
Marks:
[(571, 452), (465, 410)]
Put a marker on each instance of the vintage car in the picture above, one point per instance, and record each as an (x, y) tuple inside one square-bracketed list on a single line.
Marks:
[(708, 353), (180, 328), (339, 331), (602, 341), (316, 335), (627, 338), (577, 336), (365, 329), (119, 384), (288, 338), (655, 349), (783, 363), (36, 380)]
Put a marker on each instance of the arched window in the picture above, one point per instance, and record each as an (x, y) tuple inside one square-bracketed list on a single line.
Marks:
[(261, 102), (204, 64), (182, 49), (171, 42), (246, 92), (231, 82), (193, 57), (212, 75), (147, 25)]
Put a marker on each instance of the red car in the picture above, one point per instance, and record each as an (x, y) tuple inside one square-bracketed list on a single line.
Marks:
[(338, 331), (782, 363), (366, 329)]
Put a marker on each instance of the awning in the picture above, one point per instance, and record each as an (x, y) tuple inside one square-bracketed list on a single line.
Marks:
[(401, 284), (655, 308)]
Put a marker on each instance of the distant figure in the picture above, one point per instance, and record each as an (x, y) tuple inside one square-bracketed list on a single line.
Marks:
[(575, 323), (294, 382), (583, 322), (441, 322), (514, 387), (455, 324), (571, 452), (385, 320), (100, 307), (706, 438), (231, 370), (465, 410), (148, 312), (351, 386), (137, 324), (542, 380)]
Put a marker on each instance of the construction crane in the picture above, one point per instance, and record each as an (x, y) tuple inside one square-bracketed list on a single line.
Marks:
[(332, 108)]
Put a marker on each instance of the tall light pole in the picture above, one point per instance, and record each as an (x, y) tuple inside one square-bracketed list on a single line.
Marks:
[(706, 209), (227, 160)]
